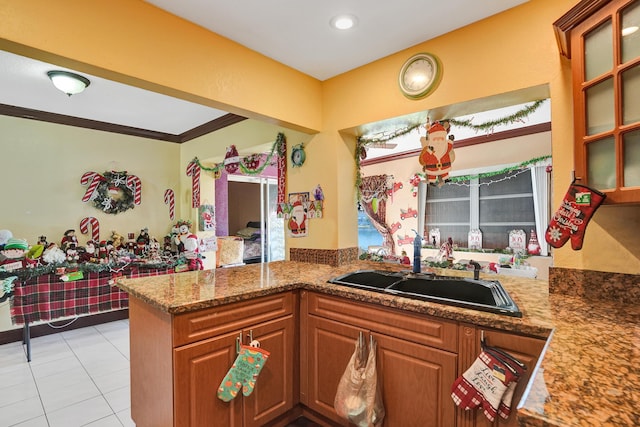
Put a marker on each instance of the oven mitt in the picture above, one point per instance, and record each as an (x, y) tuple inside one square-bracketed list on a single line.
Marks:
[(243, 373), (517, 369), (572, 217), (484, 385)]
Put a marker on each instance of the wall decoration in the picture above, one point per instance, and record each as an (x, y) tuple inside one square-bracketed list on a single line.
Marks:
[(94, 224), (206, 218), (437, 153), (298, 218), (112, 192), (247, 164), (170, 199), (420, 75), (395, 227), (193, 170), (231, 160)]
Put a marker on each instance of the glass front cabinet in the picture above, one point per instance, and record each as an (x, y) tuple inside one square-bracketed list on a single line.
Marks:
[(602, 39)]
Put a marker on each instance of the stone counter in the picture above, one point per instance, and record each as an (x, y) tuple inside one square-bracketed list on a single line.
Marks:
[(586, 377)]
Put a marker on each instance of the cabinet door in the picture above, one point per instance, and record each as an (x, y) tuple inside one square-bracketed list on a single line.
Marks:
[(273, 393), (525, 349), (198, 370), (416, 383), (330, 346)]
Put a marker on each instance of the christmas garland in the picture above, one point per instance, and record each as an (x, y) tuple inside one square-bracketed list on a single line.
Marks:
[(248, 164), (464, 180), (102, 198), (363, 141)]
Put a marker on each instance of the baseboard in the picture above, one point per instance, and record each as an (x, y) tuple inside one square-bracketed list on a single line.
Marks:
[(39, 330)]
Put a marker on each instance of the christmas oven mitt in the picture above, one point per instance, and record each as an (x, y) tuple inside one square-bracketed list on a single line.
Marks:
[(243, 373), (484, 385), (572, 217), (517, 368)]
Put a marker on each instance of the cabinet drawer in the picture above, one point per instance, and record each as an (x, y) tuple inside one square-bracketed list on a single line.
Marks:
[(406, 325), (207, 323)]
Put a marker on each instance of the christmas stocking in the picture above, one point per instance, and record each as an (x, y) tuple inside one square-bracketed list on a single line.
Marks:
[(483, 384), (572, 217), (243, 373)]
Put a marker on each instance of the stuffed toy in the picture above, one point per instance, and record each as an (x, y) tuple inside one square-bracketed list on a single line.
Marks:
[(14, 253), (68, 239), (53, 254), (192, 252)]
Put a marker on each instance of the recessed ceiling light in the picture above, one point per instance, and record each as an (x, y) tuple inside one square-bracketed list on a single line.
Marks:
[(629, 30), (344, 22)]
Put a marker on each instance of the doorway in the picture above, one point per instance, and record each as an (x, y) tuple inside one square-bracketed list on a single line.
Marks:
[(252, 203)]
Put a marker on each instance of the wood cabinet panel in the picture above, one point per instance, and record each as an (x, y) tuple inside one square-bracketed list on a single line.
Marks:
[(416, 383), (525, 349), (331, 345), (273, 394), (409, 326), (207, 323), (198, 370)]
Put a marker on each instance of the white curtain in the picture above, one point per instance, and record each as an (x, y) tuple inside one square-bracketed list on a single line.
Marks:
[(541, 196)]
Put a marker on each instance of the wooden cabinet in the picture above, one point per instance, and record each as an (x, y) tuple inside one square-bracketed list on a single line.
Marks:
[(415, 375), (525, 349), (602, 39), (174, 379)]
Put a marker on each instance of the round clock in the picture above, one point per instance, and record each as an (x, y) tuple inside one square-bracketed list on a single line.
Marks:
[(298, 155), (420, 75)]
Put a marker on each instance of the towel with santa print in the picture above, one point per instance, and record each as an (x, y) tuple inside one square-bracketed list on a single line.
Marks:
[(484, 385), (572, 217)]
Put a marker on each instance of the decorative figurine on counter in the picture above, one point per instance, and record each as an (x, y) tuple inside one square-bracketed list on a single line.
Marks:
[(68, 239), (89, 254), (53, 254), (184, 230), (14, 255), (405, 259), (192, 252)]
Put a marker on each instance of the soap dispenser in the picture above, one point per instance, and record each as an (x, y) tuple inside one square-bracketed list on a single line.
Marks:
[(417, 247)]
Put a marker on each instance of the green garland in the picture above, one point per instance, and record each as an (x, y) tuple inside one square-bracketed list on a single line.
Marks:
[(363, 141), (27, 273), (519, 166), (277, 149), (518, 116)]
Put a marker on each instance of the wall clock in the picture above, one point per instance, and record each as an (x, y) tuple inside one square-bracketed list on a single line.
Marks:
[(298, 155), (420, 75)]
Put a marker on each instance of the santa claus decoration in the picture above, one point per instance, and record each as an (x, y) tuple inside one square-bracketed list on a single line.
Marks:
[(192, 252), (437, 154)]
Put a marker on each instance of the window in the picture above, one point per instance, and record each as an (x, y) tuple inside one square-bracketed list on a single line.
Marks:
[(494, 204)]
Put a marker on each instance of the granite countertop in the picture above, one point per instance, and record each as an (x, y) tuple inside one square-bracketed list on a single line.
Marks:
[(585, 378)]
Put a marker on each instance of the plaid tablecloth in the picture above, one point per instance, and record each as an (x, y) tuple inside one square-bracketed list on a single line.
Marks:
[(46, 297)]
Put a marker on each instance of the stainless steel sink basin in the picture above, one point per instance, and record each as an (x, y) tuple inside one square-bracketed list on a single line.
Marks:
[(484, 295)]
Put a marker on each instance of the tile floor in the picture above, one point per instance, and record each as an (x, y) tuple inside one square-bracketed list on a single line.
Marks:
[(76, 378)]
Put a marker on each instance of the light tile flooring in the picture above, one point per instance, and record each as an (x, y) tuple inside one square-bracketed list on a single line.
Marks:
[(77, 377)]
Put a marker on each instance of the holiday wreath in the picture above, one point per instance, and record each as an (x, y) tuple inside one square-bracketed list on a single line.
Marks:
[(112, 192)]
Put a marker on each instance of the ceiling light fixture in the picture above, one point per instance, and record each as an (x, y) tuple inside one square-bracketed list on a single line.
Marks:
[(68, 82), (344, 22), (629, 30)]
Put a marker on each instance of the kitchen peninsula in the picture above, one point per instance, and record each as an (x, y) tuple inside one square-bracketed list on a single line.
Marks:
[(585, 374)]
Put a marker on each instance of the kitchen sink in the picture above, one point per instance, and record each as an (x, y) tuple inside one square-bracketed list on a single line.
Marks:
[(483, 295)]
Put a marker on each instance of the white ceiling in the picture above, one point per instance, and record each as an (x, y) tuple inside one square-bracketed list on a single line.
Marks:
[(294, 32)]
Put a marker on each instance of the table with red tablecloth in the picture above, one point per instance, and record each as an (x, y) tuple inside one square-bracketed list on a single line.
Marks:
[(47, 297)]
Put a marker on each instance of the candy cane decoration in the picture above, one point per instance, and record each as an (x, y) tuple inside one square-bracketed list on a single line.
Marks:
[(92, 179), (193, 170), (95, 227), (134, 183), (170, 199)]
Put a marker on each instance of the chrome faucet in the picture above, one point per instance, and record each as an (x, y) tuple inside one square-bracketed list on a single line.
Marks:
[(476, 269)]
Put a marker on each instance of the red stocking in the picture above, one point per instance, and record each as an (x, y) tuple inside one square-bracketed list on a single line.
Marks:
[(572, 217)]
